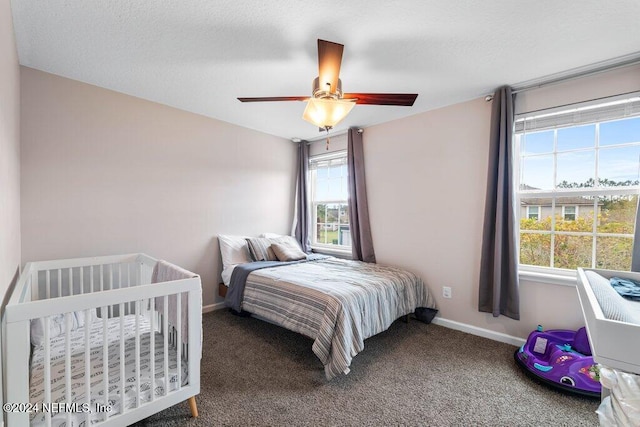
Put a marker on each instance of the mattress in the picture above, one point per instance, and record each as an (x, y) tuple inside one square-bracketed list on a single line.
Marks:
[(58, 345), (338, 303), (634, 307)]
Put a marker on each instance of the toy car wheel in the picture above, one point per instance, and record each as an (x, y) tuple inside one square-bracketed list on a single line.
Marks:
[(568, 381)]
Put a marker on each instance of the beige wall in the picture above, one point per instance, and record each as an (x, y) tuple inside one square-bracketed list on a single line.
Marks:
[(106, 173), (426, 182), (9, 151), (336, 143), (620, 81)]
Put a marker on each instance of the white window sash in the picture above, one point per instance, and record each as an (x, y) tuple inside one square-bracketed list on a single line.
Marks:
[(340, 158)]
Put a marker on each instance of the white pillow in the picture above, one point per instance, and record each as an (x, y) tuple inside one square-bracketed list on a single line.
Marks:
[(56, 326), (271, 235), (234, 251)]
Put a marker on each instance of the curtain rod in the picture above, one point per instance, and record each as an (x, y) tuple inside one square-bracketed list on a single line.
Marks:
[(576, 73)]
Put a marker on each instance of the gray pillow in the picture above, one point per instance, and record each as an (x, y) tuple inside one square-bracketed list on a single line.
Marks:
[(260, 249), (287, 252), (613, 306)]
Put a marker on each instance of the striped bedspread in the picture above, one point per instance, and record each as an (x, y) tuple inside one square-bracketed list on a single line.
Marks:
[(338, 303)]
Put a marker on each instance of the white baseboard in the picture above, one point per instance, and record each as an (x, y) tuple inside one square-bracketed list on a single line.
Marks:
[(481, 332), (209, 308), (451, 324)]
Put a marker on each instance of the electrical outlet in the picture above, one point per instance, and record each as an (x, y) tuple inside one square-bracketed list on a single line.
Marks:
[(446, 291)]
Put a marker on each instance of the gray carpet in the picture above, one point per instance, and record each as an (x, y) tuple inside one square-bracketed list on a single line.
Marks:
[(255, 373)]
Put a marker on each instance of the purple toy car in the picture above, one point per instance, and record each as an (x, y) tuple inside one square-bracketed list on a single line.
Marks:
[(562, 359)]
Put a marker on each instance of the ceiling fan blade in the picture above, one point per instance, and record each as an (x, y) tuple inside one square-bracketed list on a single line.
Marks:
[(329, 60), (402, 99), (274, 98)]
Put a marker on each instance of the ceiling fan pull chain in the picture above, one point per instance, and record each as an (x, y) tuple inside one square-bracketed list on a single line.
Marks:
[(327, 129)]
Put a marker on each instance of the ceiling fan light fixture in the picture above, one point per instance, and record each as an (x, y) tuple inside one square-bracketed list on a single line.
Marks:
[(326, 91), (326, 113)]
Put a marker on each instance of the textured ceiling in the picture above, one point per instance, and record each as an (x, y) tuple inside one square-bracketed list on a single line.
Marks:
[(200, 55)]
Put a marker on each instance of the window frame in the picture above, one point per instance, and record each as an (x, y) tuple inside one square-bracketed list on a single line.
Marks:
[(552, 274)]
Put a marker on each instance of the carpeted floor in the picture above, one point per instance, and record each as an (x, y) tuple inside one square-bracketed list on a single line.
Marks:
[(255, 373)]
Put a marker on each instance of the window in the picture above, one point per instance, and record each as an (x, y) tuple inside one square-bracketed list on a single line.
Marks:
[(569, 213), (329, 198), (578, 182), (533, 212)]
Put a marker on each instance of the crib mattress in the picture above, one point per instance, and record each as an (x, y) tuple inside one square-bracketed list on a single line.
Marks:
[(58, 344)]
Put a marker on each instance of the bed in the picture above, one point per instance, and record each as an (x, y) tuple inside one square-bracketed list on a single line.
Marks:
[(336, 302), (103, 341)]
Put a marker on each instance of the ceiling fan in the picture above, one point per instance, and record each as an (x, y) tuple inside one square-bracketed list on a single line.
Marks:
[(327, 104)]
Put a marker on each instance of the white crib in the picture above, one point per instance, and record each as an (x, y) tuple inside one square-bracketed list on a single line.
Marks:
[(113, 347)]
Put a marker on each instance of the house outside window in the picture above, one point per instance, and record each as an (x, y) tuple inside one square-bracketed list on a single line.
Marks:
[(580, 165), (329, 201)]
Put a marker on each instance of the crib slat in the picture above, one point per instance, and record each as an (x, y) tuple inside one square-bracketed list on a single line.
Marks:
[(91, 278), (110, 287), (152, 353), (59, 282), (87, 359), (47, 284), (101, 277), (122, 375), (136, 308), (35, 285), (165, 333), (82, 280), (67, 363), (70, 281), (47, 368), (179, 339), (128, 274), (105, 360)]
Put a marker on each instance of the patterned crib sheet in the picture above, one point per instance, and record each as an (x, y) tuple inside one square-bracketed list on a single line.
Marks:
[(58, 348)]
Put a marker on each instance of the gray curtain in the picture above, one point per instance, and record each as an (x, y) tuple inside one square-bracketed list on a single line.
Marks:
[(635, 256), (361, 241), (302, 213), (498, 291)]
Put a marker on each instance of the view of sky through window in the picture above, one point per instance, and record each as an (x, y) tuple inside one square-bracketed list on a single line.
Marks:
[(613, 146)]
